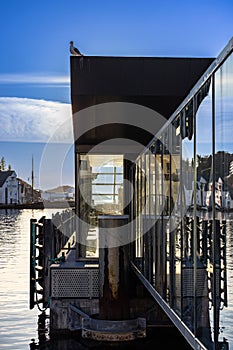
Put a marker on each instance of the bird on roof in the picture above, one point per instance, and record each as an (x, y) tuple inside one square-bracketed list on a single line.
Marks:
[(73, 50)]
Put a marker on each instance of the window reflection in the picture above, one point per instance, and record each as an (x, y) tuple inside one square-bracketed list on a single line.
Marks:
[(100, 186), (204, 153), (223, 135)]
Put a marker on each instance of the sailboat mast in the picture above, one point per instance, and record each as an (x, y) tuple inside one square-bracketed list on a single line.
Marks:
[(32, 180)]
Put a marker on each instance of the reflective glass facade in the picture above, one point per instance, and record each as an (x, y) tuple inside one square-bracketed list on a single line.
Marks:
[(183, 183), (178, 196)]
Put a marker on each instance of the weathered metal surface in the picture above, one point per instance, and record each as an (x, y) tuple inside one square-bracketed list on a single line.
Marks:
[(106, 330), (185, 331), (64, 317), (113, 267)]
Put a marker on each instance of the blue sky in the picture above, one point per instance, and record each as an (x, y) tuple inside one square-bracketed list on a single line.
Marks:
[(34, 60)]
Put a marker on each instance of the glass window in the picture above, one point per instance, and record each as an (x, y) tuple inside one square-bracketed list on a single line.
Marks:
[(100, 191), (223, 189), (223, 134), (187, 215), (204, 153)]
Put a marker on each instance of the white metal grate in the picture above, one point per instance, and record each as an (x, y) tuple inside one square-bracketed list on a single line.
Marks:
[(74, 283)]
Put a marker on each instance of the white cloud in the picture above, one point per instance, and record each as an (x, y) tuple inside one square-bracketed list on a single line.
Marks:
[(33, 79), (31, 120)]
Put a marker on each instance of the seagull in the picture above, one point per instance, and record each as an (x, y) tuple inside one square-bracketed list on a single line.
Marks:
[(73, 50)]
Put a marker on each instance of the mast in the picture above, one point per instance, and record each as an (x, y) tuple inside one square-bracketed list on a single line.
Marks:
[(32, 180)]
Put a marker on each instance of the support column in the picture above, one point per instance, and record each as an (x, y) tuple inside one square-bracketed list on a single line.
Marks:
[(114, 267)]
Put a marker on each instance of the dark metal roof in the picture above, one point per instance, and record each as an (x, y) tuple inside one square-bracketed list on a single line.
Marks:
[(160, 83), (4, 175)]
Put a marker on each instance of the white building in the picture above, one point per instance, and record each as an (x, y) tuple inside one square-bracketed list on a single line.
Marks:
[(222, 198), (53, 195), (201, 193), (9, 190), (204, 195), (231, 168)]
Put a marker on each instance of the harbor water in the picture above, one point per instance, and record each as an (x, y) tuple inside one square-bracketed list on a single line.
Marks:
[(18, 324)]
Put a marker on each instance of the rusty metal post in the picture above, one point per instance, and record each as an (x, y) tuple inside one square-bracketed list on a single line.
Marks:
[(113, 267)]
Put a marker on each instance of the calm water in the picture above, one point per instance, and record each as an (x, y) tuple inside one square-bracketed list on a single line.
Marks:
[(19, 324)]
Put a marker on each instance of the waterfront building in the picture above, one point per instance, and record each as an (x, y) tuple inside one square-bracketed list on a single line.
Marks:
[(14, 190), (151, 137), (27, 194), (198, 135), (9, 191), (59, 194), (231, 168)]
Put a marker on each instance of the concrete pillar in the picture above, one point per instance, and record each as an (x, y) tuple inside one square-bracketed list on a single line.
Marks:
[(114, 267)]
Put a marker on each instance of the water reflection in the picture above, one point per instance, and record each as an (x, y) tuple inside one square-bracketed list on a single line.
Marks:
[(18, 324)]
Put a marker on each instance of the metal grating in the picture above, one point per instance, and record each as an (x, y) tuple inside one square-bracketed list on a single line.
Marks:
[(188, 282), (74, 283)]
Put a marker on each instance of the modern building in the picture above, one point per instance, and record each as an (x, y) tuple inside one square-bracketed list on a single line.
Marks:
[(193, 242), (165, 125), (150, 136)]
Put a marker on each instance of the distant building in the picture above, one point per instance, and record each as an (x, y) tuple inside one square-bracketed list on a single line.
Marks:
[(201, 193), (231, 168), (58, 194), (204, 195), (25, 193), (222, 198), (9, 187), (16, 191)]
